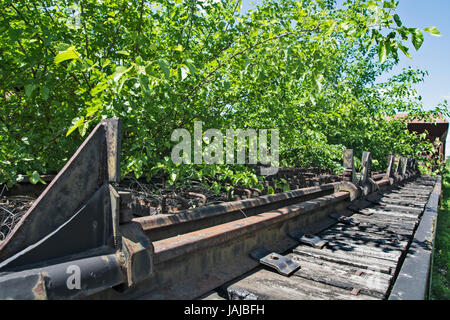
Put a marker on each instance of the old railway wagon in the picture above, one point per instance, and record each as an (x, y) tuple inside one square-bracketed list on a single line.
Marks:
[(369, 236)]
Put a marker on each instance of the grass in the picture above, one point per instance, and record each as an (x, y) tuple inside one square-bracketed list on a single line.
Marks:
[(440, 285)]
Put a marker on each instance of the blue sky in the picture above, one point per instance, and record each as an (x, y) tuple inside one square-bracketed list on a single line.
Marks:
[(433, 56)]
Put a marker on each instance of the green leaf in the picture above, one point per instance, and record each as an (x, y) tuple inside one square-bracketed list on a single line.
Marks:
[(417, 38), (178, 48), (164, 65), (77, 123), (35, 178), (318, 82), (389, 5), (29, 89), (184, 72), (331, 29), (382, 52), (433, 31), (120, 71), (91, 110), (405, 50), (25, 140), (83, 129), (397, 20), (44, 92), (69, 54), (191, 66)]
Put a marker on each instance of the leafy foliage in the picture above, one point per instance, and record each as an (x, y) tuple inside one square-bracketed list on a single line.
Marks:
[(307, 68), (440, 285)]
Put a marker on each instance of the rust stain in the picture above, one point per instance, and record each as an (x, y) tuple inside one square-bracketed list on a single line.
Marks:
[(39, 291)]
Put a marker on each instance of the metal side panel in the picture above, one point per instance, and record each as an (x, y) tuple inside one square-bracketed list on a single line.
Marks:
[(89, 228), (87, 170)]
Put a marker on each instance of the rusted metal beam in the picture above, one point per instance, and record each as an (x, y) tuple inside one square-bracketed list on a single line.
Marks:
[(165, 226), (96, 274), (191, 264)]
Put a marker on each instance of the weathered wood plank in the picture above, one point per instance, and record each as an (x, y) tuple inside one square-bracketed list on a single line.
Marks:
[(392, 214), (374, 229), (348, 258), (409, 196), (352, 247), (363, 256), (358, 234), (384, 245), (338, 266), (388, 217), (372, 284), (391, 207), (373, 220), (379, 217), (267, 285), (401, 202)]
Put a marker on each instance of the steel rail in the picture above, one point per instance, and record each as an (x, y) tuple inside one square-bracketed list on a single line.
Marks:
[(165, 226)]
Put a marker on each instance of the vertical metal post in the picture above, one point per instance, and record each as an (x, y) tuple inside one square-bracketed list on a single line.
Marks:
[(390, 168), (366, 167), (349, 167), (405, 164), (398, 171)]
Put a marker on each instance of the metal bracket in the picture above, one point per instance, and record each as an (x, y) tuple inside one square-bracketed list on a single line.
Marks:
[(309, 239), (240, 294), (348, 187), (343, 219), (138, 253), (282, 264)]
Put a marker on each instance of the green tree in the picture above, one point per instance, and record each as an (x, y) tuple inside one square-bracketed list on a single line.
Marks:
[(307, 68)]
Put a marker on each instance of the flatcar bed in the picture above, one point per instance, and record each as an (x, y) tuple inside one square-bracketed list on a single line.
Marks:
[(361, 261)]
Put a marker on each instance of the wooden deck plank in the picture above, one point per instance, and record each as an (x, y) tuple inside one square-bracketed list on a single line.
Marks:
[(340, 232), (374, 229), (363, 256), (372, 284), (375, 221), (268, 285), (391, 207), (379, 244), (339, 266), (393, 214), (348, 258)]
